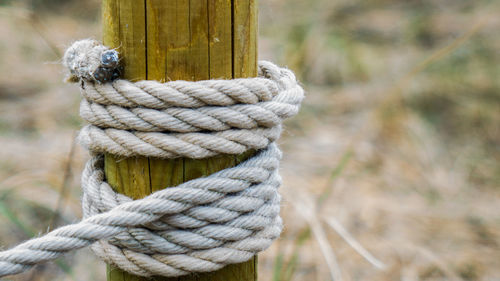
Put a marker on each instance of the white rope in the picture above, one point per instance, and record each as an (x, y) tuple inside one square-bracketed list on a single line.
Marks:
[(198, 226)]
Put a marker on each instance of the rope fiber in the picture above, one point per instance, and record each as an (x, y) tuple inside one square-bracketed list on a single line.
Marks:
[(200, 225)]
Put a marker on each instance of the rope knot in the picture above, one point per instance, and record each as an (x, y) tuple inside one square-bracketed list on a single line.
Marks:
[(200, 225)]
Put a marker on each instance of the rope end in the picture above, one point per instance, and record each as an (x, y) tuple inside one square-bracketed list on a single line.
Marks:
[(90, 60)]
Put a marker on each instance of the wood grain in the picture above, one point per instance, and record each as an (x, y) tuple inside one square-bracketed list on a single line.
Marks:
[(179, 40)]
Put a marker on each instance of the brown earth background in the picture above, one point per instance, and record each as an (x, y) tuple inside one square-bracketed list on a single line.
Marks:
[(391, 171)]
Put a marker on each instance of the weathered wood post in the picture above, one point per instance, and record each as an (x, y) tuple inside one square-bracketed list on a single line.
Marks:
[(179, 40)]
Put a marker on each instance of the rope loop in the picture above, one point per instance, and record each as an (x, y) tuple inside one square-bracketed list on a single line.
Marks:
[(200, 225)]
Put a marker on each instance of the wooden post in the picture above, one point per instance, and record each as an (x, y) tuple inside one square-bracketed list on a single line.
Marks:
[(179, 40)]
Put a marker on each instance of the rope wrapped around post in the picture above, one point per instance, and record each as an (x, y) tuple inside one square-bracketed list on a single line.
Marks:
[(198, 226)]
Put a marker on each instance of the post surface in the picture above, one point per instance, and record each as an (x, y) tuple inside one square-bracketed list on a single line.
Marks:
[(179, 40)]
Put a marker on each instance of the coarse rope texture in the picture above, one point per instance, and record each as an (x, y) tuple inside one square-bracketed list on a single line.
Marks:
[(200, 225)]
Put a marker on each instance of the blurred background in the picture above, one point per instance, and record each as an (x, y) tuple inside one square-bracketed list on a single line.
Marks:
[(391, 171)]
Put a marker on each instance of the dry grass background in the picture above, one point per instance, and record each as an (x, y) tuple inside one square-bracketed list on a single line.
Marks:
[(391, 171)]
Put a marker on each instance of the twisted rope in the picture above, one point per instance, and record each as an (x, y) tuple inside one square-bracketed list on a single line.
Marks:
[(203, 118), (198, 226)]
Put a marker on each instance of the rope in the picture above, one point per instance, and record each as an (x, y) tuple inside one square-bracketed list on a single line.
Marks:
[(200, 225)]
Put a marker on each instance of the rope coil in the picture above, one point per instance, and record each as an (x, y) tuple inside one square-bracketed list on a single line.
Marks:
[(198, 226)]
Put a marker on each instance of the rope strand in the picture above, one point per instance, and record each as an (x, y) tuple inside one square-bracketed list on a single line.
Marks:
[(200, 225)]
